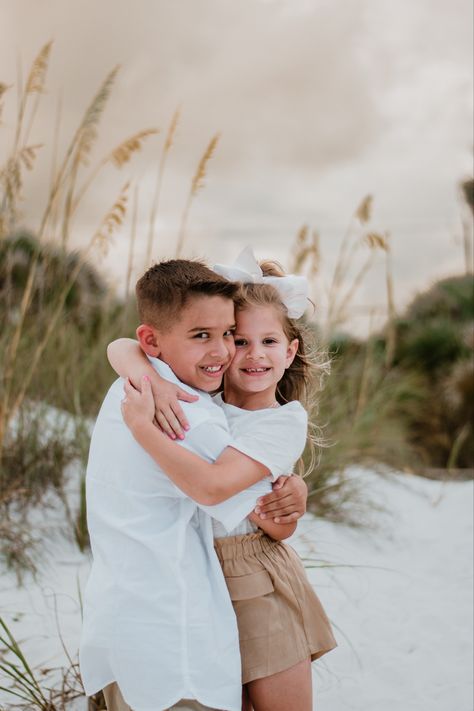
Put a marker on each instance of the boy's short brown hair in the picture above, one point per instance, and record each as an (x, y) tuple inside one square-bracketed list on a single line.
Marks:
[(166, 288)]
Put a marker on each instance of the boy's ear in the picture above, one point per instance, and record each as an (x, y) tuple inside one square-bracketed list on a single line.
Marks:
[(147, 337)]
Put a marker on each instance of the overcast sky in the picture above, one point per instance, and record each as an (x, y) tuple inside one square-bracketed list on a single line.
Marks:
[(318, 103)]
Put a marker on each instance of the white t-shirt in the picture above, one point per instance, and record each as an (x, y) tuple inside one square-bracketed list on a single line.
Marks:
[(276, 437), (157, 615)]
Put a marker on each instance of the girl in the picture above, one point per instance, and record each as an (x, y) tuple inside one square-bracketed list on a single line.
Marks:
[(282, 625)]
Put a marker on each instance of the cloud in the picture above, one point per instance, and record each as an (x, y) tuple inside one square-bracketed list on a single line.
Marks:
[(317, 103)]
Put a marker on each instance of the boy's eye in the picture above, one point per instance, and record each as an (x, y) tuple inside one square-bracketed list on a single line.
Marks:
[(203, 335), (229, 333), (240, 342)]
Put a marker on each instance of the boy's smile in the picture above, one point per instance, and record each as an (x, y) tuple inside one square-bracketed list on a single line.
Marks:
[(200, 345)]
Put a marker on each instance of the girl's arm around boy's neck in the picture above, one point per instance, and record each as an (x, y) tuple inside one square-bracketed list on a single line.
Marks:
[(129, 361)]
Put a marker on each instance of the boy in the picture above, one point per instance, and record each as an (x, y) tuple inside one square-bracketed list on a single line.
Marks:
[(159, 629)]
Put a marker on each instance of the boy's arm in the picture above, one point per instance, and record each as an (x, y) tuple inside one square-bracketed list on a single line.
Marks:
[(286, 503), (129, 361)]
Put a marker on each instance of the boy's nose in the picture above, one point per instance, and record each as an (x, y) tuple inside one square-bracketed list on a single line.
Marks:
[(220, 350)]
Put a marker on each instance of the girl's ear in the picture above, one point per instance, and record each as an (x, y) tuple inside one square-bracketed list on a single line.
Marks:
[(147, 337), (291, 352)]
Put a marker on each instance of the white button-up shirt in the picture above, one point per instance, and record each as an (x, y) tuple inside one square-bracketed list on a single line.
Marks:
[(157, 615)]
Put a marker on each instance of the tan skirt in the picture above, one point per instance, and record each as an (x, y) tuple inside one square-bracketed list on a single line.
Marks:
[(281, 621)]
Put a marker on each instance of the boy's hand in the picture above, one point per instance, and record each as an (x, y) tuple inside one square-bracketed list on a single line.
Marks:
[(286, 503), (169, 415), (138, 407)]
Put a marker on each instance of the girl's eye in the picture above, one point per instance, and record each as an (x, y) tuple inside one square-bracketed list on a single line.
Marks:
[(268, 341), (228, 333)]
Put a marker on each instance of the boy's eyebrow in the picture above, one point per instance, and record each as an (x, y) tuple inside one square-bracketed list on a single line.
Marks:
[(210, 328)]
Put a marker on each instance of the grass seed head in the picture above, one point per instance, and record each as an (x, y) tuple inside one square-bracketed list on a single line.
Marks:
[(37, 77)]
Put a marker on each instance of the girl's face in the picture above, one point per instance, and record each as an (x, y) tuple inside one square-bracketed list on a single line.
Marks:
[(262, 352)]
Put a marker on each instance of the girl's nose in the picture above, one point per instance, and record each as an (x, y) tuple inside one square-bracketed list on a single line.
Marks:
[(254, 355)]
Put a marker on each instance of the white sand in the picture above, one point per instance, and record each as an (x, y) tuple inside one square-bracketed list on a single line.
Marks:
[(404, 613), (400, 597)]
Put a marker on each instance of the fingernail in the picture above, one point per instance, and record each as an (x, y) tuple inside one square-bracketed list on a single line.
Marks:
[(259, 501), (186, 427), (145, 377), (263, 515), (257, 509), (181, 436), (277, 520)]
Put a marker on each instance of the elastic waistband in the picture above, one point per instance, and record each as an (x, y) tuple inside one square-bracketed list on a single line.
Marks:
[(242, 546)]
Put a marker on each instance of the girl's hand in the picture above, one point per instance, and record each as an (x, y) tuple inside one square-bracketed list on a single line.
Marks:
[(286, 503), (169, 415), (137, 407)]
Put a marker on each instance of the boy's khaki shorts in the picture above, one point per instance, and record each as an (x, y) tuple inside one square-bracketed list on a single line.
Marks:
[(115, 702)]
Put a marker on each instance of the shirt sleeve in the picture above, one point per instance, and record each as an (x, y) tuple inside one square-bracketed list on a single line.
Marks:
[(233, 511), (276, 439), (208, 440)]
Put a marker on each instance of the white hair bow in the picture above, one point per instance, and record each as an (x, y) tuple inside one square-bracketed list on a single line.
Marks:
[(293, 289)]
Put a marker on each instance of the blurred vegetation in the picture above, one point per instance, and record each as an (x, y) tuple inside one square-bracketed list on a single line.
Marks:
[(364, 411), (90, 317), (435, 343), (72, 376), (416, 415)]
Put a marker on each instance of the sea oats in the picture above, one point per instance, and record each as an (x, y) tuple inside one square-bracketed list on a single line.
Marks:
[(3, 89), (198, 179), (196, 184), (364, 211), (159, 180), (27, 155), (375, 240), (391, 328), (132, 239), (123, 153), (172, 130), (87, 133), (112, 220), (119, 156), (37, 76), (306, 252)]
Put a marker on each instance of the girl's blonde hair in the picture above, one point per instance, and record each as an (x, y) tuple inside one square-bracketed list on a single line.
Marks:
[(302, 379)]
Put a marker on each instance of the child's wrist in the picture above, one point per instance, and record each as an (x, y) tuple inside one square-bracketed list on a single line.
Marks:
[(140, 424)]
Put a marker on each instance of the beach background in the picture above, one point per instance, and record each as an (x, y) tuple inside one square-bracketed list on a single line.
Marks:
[(335, 137)]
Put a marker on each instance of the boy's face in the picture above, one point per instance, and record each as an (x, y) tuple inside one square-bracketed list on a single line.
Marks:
[(200, 345)]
